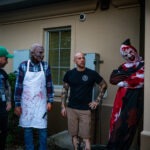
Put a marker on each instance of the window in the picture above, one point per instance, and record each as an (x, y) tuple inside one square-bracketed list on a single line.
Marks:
[(59, 48)]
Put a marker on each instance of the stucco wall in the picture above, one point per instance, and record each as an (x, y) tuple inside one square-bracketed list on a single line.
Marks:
[(102, 32)]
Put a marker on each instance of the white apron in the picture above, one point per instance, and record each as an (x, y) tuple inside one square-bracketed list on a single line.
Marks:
[(34, 101)]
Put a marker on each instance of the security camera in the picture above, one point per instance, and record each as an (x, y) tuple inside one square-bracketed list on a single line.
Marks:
[(82, 17)]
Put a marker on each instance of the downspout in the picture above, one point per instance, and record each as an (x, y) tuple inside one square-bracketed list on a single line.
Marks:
[(102, 5), (142, 29)]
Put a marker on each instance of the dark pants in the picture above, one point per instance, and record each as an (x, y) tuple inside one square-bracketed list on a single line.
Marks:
[(126, 125), (3, 130)]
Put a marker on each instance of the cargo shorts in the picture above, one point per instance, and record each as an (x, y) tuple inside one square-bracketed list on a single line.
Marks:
[(79, 122)]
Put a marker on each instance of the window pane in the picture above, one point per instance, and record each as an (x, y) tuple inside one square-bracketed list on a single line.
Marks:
[(54, 40), (59, 53), (55, 75), (54, 57), (65, 57), (62, 73), (65, 39)]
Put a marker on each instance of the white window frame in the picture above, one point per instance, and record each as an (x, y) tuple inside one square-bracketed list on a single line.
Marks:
[(47, 31)]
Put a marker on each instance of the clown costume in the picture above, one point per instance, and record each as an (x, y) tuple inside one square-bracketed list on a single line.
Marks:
[(128, 104)]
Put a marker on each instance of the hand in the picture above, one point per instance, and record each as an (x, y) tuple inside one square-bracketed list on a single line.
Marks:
[(93, 105), (49, 106), (18, 110), (63, 111), (8, 106)]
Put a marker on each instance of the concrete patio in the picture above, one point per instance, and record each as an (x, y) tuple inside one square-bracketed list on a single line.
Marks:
[(62, 140)]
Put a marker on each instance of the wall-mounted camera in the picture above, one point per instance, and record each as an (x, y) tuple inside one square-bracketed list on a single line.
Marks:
[(82, 17)]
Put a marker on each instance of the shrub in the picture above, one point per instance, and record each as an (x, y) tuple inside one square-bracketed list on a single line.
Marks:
[(15, 133)]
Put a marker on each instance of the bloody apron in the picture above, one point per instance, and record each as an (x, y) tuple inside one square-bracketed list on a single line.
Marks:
[(33, 101)]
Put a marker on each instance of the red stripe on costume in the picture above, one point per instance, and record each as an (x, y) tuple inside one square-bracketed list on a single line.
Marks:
[(136, 79), (134, 83), (117, 106), (126, 47)]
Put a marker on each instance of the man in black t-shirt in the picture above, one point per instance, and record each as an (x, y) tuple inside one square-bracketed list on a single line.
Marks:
[(80, 81), (5, 101)]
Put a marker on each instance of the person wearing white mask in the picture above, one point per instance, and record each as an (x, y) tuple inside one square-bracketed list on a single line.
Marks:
[(127, 111), (34, 96)]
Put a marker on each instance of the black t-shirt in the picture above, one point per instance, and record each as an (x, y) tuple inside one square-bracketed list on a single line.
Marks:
[(81, 85)]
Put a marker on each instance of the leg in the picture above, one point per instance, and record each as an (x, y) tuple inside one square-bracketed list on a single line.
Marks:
[(87, 144), (73, 126), (28, 138), (75, 142), (124, 128), (42, 139), (85, 128), (3, 131)]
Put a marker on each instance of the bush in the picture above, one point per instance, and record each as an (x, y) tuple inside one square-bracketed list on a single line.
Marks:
[(15, 133)]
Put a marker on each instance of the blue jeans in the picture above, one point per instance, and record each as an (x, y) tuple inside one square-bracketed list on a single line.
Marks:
[(28, 137)]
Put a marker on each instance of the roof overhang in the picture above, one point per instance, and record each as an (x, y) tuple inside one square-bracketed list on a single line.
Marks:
[(9, 5)]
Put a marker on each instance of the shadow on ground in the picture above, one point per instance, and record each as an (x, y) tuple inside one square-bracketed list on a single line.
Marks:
[(59, 141)]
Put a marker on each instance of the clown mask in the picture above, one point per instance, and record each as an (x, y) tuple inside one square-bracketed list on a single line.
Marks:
[(129, 53)]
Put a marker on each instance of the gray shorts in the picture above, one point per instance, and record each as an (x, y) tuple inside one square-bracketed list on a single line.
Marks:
[(79, 122)]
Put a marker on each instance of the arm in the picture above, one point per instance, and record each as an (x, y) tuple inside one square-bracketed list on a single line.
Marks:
[(118, 75), (102, 90), (8, 95), (49, 89), (64, 96), (5, 89), (18, 90)]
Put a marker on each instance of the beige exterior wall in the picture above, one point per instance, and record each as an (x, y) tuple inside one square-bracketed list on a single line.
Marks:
[(102, 32), (145, 135)]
